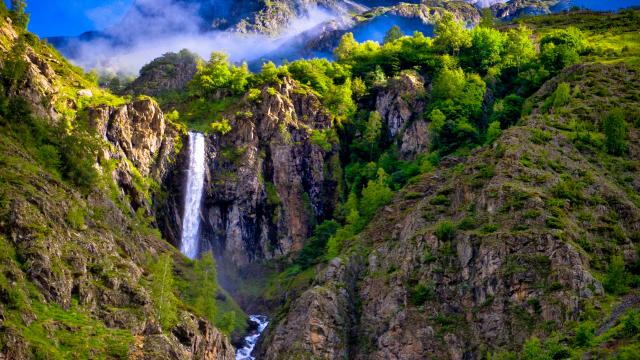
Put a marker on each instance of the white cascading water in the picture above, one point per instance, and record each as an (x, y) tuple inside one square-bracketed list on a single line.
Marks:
[(193, 197), (191, 229), (251, 340)]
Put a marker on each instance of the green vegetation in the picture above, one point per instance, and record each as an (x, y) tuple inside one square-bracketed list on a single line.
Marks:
[(204, 299), (615, 131), (162, 291)]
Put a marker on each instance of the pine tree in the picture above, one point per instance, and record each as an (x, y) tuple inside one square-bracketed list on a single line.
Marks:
[(204, 294), (18, 14), (162, 286), (451, 35), (373, 130), (616, 132), (393, 34)]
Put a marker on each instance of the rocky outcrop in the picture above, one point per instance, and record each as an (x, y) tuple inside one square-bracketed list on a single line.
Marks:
[(145, 146), (511, 265), (268, 181), (401, 104), (192, 338), (170, 72), (401, 101), (519, 8), (316, 324)]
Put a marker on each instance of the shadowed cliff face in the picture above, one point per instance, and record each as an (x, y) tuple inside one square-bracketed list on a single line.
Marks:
[(267, 183)]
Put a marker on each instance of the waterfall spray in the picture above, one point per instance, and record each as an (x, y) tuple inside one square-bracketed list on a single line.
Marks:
[(193, 196)]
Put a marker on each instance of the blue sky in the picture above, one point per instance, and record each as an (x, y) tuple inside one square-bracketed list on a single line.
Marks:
[(73, 17)]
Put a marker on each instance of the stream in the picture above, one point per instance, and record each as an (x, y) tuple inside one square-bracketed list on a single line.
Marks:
[(252, 338)]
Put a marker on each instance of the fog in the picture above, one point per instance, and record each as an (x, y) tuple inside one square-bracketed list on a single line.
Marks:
[(151, 28)]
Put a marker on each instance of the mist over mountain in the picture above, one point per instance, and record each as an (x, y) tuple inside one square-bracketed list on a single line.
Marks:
[(254, 31)]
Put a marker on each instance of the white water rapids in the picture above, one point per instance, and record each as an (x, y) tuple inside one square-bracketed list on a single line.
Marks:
[(193, 197), (252, 339)]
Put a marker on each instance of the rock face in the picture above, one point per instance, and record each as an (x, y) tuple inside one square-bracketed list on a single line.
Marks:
[(398, 103), (512, 264), (268, 182), (518, 8), (401, 104), (317, 321), (145, 145)]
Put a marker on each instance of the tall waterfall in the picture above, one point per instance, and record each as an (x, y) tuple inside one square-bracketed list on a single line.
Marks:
[(193, 197)]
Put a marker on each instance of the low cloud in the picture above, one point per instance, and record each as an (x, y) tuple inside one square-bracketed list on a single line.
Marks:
[(105, 16), (151, 28)]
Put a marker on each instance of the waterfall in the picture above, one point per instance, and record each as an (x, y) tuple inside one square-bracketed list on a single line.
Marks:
[(251, 340), (193, 196)]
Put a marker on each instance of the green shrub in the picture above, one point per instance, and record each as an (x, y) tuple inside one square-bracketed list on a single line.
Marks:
[(221, 127), (507, 111), (616, 132), (440, 199), (314, 250), (584, 334), (554, 222), (616, 281), (75, 217), (631, 324), (376, 194), (162, 291), (489, 228), (532, 350), (421, 293), (568, 189), (445, 231)]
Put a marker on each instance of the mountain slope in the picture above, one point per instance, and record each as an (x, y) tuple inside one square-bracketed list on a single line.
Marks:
[(485, 251), (78, 247)]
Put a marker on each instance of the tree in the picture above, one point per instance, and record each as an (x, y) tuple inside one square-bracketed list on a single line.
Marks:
[(269, 72), (487, 45), (616, 132), (487, 20), (346, 48), (393, 34), (493, 132), (161, 288), (554, 57), (18, 14), (616, 281), (204, 293), (373, 130), (507, 111), (520, 50), (451, 35), (570, 37), (448, 84), (376, 194), (532, 350)]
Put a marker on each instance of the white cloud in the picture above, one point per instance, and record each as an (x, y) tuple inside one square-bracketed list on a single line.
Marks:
[(105, 16), (154, 27)]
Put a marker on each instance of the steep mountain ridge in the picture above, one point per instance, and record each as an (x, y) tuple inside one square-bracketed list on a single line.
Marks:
[(516, 265)]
